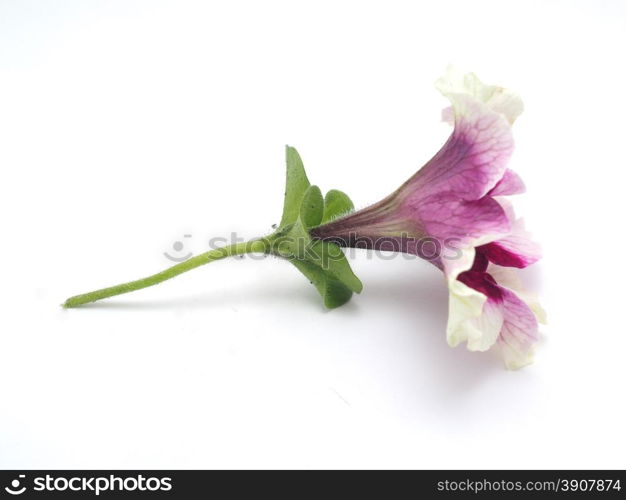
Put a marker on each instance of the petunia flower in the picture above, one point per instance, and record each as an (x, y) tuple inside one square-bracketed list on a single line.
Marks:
[(459, 202)]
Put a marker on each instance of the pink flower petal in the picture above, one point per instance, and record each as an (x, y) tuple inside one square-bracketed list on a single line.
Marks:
[(501, 309), (474, 158), (511, 183), (516, 249), (445, 216), (519, 331)]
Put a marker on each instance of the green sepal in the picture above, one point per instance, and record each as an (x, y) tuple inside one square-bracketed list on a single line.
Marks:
[(331, 258), (323, 263), (295, 186), (336, 204), (312, 207), (334, 293)]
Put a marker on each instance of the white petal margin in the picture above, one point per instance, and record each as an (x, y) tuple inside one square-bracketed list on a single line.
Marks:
[(508, 277), (522, 311), (483, 323), (519, 241), (455, 83), (519, 332), (471, 317)]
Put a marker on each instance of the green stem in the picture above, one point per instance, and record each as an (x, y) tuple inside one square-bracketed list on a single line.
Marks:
[(183, 267)]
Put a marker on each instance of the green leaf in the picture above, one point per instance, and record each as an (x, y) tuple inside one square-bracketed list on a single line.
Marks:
[(323, 263), (312, 207), (295, 186), (331, 258), (336, 204), (333, 292)]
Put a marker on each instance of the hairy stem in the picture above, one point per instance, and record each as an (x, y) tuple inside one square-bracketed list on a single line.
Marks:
[(183, 267)]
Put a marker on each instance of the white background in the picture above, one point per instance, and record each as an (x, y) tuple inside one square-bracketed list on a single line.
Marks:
[(125, 125)]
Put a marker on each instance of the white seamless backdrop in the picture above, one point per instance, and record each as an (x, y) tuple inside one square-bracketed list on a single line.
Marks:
[(125, 125)]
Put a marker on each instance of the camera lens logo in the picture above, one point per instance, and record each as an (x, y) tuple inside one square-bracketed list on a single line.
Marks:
[(15, 489), (178, 248)]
